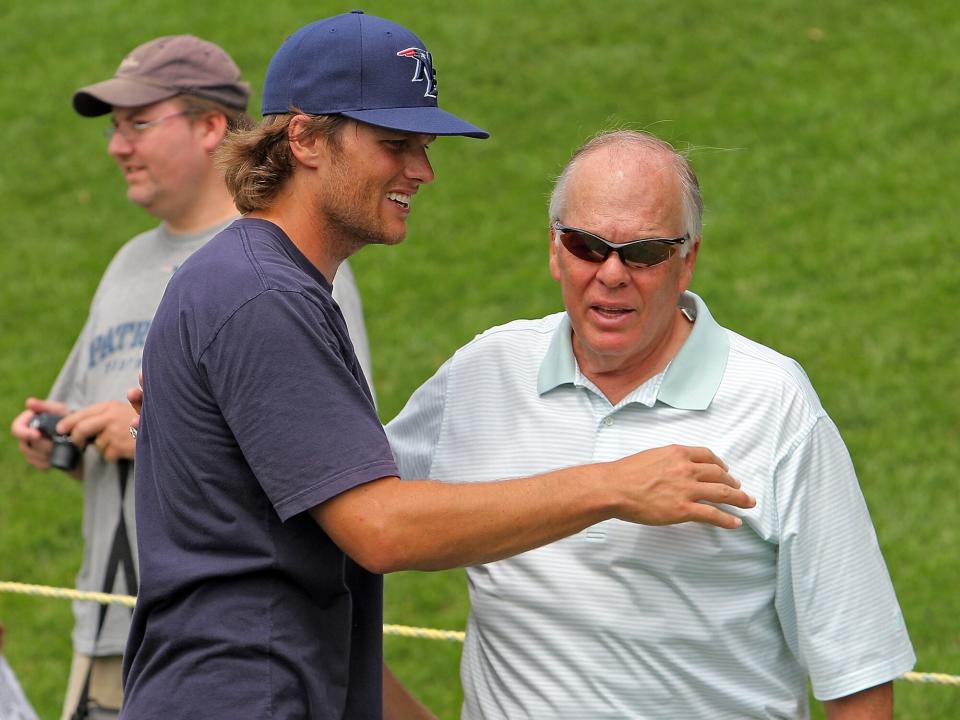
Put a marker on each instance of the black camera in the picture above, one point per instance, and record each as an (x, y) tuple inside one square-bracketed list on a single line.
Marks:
[(65, 455)]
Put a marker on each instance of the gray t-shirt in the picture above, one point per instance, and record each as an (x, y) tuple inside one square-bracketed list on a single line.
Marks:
[(103, 365)]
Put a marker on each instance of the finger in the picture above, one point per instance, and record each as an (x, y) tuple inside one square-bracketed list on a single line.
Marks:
[(20, 427), (705, 455), (39, 457), (723, 495), (126, 449), (46, 406), (714, 516), (39, 446), (83, 415), (708, 473), (109, 451), (135, 398), (85, 429), (28, 450)]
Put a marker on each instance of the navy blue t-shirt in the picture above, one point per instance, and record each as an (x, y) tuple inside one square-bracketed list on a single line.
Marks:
[(256, 411)]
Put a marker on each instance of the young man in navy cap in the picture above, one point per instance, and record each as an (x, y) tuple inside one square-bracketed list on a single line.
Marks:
[(267, 497), (171, 102)]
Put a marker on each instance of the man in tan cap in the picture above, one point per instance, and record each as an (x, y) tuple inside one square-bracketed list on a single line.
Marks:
[(171, 102)]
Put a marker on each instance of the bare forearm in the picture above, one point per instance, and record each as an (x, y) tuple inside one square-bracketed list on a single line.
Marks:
[(398, 703), (389, 524), (875, 703), (428, 525)]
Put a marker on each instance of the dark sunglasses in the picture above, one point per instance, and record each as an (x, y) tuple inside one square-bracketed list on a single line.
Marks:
[(636, 253)]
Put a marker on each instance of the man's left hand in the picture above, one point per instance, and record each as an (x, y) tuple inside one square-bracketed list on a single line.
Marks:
[(108, 423)]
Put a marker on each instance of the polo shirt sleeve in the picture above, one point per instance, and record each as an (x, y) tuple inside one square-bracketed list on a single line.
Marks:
[(835, 600), (278, 371), (414, 434)]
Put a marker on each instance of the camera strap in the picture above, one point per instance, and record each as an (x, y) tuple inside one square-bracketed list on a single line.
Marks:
[(120, 553)]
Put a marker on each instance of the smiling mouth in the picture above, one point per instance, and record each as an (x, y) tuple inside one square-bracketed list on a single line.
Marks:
[(400, 199)]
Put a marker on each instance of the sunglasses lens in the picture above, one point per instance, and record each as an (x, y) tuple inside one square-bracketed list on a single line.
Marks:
[(583, 246), (646, 253), (638, 254)]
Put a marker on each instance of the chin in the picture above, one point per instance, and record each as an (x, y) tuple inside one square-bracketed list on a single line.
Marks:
[(607, 347), (392, 237), (138, 197)]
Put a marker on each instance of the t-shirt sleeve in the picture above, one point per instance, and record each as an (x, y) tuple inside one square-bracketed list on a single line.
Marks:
[(347, 295), (415, 433), (278, 368), (835, 600), (69, 386)]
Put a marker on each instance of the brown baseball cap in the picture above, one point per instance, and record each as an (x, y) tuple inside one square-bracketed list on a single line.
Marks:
[(164, 68)]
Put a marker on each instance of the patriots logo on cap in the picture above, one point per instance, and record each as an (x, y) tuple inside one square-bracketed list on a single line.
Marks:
[(424, 69)]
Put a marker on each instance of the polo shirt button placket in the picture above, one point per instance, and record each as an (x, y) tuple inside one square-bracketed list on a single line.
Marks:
[(608, 421)]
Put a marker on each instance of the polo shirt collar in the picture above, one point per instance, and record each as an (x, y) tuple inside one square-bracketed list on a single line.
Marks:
[(691, 379)]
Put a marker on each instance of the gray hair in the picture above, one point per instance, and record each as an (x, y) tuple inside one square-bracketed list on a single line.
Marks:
[(692, 203)]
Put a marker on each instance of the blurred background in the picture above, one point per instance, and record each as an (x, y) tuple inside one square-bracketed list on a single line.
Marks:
[(826, 140)]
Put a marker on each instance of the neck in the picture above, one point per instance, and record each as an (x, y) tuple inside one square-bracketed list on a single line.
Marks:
[(293, 214), (617, 378), (210, 206)]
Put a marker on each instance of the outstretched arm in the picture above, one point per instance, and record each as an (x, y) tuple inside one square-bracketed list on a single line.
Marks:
[(391, 524)]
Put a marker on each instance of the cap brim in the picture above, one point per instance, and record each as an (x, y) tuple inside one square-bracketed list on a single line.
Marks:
[(424, 120), (100, 99)]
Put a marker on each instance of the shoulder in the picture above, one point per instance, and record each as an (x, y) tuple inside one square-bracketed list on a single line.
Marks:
[(758, 372), (251, 275), (247, 259), (518, 335), (507, 356), (144, 243)]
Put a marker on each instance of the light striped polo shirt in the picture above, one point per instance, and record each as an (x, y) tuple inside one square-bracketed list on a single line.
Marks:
[(684, 621)]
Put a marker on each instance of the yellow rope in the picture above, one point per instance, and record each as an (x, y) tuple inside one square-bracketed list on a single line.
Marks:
[(67, 594), (401, 630), (936, 678), (130, 601), (427, 633)]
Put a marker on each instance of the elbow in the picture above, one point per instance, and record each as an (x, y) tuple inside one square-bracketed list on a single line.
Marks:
[(378, 549), (380, 559), (371, 529)]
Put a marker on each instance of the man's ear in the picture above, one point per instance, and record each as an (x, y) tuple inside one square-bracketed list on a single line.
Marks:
[(307, 148), (214, 126), (554, 260), (689, 263)]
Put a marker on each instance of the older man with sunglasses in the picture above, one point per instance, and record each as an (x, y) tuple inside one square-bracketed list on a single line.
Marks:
[(635, 621)]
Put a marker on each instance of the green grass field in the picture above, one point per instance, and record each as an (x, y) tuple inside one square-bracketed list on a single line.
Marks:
[(826, 140)]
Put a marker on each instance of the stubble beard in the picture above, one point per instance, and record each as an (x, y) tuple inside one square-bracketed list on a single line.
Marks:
[(351, 230)]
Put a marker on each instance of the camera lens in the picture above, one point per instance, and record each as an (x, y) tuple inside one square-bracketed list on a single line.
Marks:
[(65, 455)]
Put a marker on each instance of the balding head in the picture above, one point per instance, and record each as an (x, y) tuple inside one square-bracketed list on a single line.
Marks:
[(624, 166)]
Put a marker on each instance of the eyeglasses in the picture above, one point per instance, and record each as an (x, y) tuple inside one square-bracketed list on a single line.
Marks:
[(133, 130), (642, 253)]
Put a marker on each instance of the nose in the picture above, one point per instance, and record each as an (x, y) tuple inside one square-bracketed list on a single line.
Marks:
[(419, 167), (119, 145), (612, 272)]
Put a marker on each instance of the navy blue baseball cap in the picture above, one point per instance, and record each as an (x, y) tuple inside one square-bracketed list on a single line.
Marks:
[(362, 67)]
